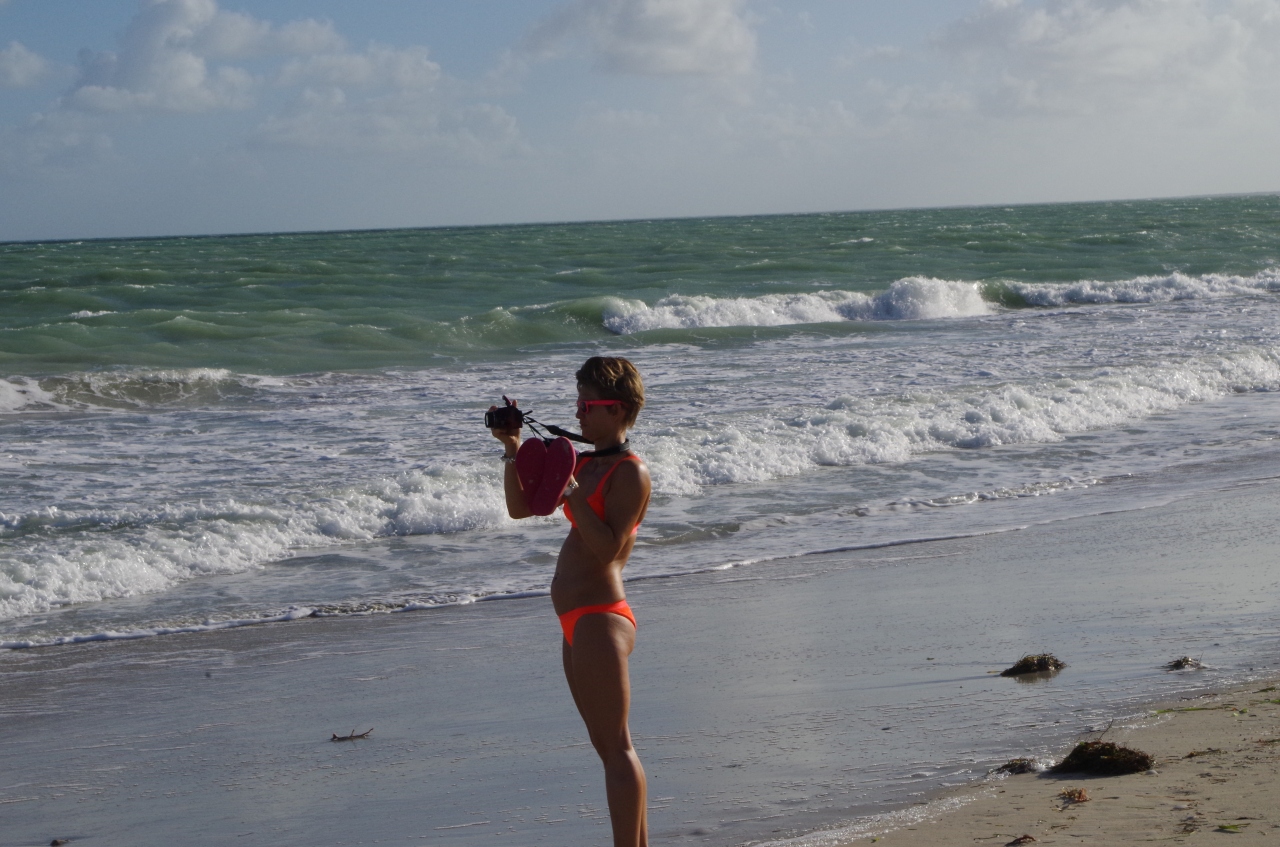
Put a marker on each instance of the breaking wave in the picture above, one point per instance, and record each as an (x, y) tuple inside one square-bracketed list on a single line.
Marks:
[(1143, 289), (913, 299), (921, 298)]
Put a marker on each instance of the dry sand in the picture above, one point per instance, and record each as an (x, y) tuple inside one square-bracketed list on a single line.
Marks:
[(1216, 780)]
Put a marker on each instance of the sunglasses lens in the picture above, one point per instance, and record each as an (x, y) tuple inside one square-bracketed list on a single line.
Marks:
[(584, 406)]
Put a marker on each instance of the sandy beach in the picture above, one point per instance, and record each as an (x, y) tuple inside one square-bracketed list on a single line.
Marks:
[(770, 700), (1217, 773)]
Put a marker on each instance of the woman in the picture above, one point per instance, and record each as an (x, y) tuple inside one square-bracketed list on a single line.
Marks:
[(605, 502)]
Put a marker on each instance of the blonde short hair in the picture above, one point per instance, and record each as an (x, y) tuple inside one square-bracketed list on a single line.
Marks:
[(614, 379)]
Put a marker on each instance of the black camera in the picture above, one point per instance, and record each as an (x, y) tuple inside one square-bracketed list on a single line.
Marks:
[(504, 417)]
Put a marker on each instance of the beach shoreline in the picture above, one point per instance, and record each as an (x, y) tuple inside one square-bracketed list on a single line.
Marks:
[(1216, 771), (769, 700)]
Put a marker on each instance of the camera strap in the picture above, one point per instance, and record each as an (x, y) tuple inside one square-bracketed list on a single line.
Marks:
[(526, 417), (554, 430)]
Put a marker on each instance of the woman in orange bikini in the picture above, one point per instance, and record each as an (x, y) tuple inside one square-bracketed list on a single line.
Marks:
[(605, 502)]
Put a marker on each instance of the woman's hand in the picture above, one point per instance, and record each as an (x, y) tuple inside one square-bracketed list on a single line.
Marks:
[(509, 437), (517, 506)]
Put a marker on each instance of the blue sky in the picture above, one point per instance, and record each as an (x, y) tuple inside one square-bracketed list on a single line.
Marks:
[(159, 117)]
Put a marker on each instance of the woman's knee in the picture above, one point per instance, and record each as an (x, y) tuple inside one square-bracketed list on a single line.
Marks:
[(617, 756), (610, 740)]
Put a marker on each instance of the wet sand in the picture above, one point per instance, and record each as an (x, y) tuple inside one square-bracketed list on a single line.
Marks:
[(769, 700)]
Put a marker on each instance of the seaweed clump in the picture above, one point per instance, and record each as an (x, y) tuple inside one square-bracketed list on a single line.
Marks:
[(1184, 663), (1021, 765), (1104, 758), (1038, 663)]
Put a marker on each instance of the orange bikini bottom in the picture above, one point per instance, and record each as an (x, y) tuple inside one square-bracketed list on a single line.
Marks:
[(570, 618)]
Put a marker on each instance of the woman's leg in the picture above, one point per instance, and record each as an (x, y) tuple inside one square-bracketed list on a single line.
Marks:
[(596, 667)]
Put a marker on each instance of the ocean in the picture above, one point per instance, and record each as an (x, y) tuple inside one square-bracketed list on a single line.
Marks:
[(203, 433)]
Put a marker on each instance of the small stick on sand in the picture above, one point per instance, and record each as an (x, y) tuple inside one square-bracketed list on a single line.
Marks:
[(353, 736)]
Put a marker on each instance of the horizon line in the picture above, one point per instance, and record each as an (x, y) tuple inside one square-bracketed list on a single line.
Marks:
[(642, 219)]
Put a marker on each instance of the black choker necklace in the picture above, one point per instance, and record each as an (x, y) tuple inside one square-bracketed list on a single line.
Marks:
[(624, 447)]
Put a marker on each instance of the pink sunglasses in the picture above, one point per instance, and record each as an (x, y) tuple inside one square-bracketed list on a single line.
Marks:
[(584, 406)]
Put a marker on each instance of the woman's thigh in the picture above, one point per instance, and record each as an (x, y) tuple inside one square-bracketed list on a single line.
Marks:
[(599, 680)]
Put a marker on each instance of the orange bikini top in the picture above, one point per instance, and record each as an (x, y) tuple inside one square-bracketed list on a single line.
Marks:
[(596, 499)]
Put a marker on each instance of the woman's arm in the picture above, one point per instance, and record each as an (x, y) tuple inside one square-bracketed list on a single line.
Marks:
[(517, 505), (624, 505)]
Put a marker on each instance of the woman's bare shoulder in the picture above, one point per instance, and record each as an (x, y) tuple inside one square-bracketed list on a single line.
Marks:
[(632, 469)]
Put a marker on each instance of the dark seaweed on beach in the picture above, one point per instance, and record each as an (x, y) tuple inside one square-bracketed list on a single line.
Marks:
[(1104, 758), (1018, 766), (1038, 663), (1184, 663)]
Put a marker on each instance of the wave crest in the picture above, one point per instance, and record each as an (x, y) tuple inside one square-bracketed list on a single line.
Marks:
[(914, 298), (124, 389), (921, 298), (1142, 289)]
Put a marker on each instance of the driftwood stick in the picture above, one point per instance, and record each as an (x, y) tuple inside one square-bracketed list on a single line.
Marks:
[(353, 736)]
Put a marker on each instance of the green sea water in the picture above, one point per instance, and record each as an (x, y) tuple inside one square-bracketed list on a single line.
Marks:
[(298, 303)]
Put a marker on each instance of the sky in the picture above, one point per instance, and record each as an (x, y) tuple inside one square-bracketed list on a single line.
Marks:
[(169, 117)]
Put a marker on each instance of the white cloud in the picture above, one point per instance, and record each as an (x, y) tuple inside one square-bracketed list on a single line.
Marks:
[(394, 119), (384, 100), (20, 67), (233, 35), (408, 69), (653, 37), (165, 54), (1087, 56), (179, 56), (57, 141), (306, 37)]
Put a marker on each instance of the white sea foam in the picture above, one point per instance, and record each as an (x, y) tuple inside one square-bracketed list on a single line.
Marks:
[(291, 614), (919, 298), (894, 428), (55, 557), (873, 825), (145, 552), (915, 298), (1148, 289), (127, 389), (18, 394), (317, 462)]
